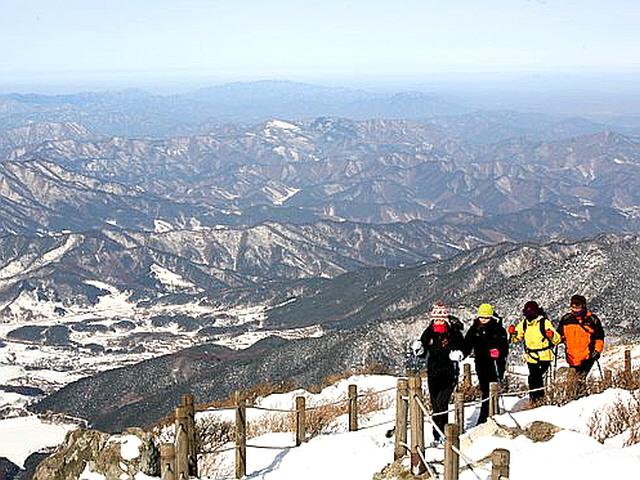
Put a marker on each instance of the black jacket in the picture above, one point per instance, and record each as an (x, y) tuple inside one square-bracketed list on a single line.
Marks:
[(439, 345), (480, 339)]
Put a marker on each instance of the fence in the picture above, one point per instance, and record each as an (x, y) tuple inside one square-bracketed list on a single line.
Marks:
[(179, 460)]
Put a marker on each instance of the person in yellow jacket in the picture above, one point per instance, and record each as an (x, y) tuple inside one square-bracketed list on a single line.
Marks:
[(540, 338)]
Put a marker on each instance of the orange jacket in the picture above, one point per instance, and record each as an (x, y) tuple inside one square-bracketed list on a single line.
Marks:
[(582, 335)]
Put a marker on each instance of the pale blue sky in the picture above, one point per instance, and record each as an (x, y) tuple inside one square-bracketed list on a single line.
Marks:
[(244, 39)]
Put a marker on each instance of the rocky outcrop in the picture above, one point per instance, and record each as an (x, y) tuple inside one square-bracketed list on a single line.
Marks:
[(116, 457), (8, 470)]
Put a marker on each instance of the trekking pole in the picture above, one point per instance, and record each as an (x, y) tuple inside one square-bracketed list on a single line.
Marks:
[(600, 370), (498, 379)]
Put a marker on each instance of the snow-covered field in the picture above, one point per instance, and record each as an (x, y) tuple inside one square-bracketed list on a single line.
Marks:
[(115, 332), (102, 337)]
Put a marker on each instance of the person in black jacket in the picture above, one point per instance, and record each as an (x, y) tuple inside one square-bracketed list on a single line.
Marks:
[(442, 343), (487, 339)]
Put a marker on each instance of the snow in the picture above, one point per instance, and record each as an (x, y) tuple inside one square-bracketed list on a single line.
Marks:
[(281, 125), (162, 226), (23, 266), (130, 447), (87, 474), (571, 453), (169, 278), (22, 436)]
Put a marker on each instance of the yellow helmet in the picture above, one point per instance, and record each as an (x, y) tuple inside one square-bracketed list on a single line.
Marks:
[(485, 310)]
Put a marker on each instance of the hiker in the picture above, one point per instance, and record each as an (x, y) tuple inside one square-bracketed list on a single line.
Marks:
[(441, 343), (583, 335), (487, 339), (540, 338)]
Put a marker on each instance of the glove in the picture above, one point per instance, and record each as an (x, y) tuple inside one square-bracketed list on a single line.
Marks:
[(595, 355), (549, 333), (456, 356), (494, 353), (416, 346), (511, 329)]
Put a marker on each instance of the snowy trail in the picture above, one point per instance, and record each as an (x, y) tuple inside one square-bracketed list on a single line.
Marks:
[(570, 453)]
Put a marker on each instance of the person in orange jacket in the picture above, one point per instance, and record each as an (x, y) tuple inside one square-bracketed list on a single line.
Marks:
[(583, 336)]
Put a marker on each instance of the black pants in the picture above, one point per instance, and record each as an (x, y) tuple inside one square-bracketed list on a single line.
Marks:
[(440, 390), (581, 373), (488, 373), (484, 406), (536, 378)]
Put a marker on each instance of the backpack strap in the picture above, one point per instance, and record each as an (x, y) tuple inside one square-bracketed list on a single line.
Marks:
[(533, 352)]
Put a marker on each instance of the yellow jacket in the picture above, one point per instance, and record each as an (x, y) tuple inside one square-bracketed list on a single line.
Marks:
[(536, 347)]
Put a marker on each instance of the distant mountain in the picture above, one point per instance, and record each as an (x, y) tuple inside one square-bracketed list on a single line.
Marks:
[(487, 127), (40, 196), (507, 275), (15, 142), (210, 263), (374, 313), (137, 113), (371, 171)]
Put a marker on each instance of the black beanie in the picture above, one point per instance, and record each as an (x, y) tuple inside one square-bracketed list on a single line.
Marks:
[(531, 310), (579, 301)]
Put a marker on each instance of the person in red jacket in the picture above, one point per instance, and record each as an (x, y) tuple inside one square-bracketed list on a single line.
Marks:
[(583, 336)]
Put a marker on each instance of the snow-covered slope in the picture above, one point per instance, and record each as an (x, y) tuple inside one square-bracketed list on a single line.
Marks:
[(570, 450)]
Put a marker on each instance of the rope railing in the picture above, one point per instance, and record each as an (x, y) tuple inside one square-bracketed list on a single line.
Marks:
[(311, 407), (377, 392), (469, 463), (273, 410), (269, 447), (410, 394), (432, 472)]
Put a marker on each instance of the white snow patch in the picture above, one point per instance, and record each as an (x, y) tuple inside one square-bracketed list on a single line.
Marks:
[(162, 226), (22, 436), (169, 278), (281, 125), (88, 474), (130, 447)]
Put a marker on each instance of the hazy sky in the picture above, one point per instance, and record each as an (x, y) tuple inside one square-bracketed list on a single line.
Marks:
[(59, 40)]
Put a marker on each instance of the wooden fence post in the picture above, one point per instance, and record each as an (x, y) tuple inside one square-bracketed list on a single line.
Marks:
[(494, 397), (241, 436), (301, 421), (466, 375), (402, 410), (167, 462), (627, 363), (451, 459), (182, 445), (500, 464), (459, 408), (353, 408), (608, 378), (417, 423), (189, 404)]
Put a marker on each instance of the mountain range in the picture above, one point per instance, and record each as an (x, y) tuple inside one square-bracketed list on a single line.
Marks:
[(134, 225), (370, 315)]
